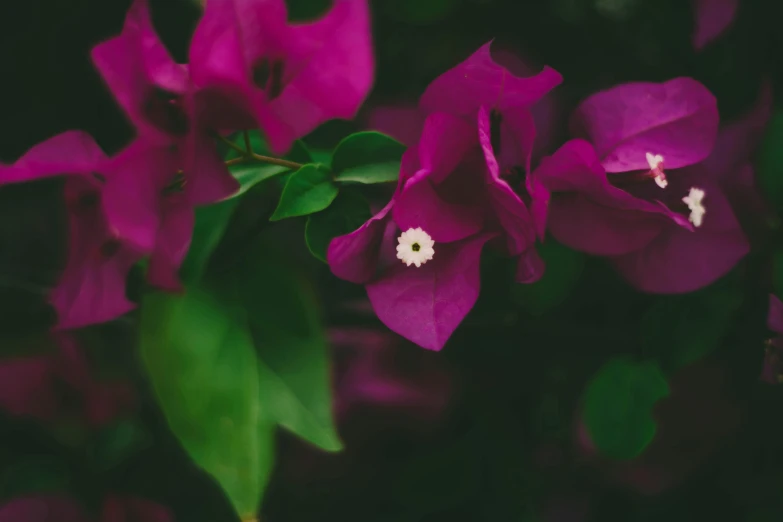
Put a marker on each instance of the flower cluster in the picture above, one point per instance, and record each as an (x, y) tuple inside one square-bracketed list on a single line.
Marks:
[(249, 68), (643, 182)]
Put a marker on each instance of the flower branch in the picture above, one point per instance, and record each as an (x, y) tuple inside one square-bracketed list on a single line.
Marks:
[(249, 154)]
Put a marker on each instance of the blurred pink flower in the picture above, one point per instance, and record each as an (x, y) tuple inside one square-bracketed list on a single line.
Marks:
[(60, 385)]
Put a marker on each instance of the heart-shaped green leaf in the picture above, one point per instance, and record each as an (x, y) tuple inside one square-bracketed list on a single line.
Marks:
[(367, 157), (308, 190), (618, 406)]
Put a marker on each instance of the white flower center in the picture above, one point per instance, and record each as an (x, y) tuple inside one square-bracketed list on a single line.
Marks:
[(415, 247), (656, 168), (694, 201)]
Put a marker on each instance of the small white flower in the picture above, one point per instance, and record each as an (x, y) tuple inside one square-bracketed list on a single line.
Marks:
[(654, 160), (415, 247), (656, 167), (694, 202)]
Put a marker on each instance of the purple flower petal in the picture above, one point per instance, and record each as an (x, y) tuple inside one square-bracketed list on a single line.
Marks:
[(92, 287), (381, 372), (419, 205), (339, 70), (680, 261), (512, 213), (775, 315), (479, 80), (27, 388), (206, 176), (677, 119), (145, 80), (69, 153), (136, 178), (43, 508), (712, 18), (445, 142), (587, 213), (354, 257), (292, 77), (172, 243), (426, 304)]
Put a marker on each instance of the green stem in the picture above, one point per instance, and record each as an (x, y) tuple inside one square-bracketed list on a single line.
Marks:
[(258, 157)]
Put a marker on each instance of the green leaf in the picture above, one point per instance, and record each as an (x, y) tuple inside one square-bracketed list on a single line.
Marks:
[(367, 157), (324, 157), (308, 190), (251, 174), (681, 329), (348, 212), (770, 161), (200, 360), (618, 406), (291, 343), (369, 174), (563, 269)]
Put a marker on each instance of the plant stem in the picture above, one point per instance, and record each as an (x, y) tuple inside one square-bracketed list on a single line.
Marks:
[(259, 157), (248, 146)]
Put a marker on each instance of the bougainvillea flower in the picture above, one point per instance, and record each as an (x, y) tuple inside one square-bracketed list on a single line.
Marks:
[(118, 508), (425, 303), (261, 71), (382, 382), (497, 103), (654, 243), (157, 96), (173, 165), (61, 385), (642, 190), (91, 288), (43, 508), (712, 18), (772, 371), (59, 508), (419, 256)]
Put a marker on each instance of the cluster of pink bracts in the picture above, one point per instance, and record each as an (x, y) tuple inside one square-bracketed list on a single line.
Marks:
[(647, 181), (248, 69)]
